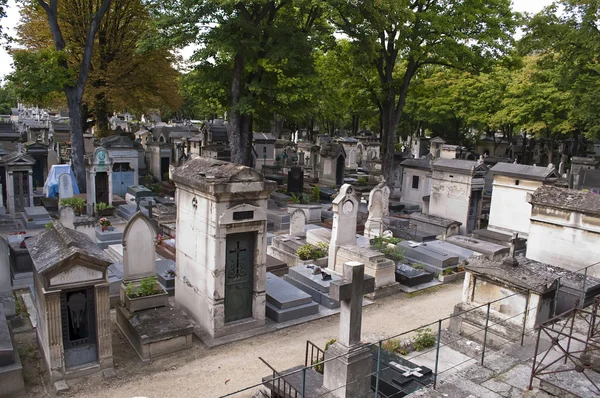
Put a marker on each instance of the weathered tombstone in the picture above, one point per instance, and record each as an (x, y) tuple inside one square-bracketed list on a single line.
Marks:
[(297, 223), (352, 159), (139, 248), (301, 158), (349, 375), (378, 210), (65, 186), (345, 212), (295, 181), (314, 162), (67, 217)]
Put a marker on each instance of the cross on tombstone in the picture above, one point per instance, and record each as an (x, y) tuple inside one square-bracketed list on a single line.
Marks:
[(150, 207), (349, 292), (238, 270), (510, 259), (406, 371)]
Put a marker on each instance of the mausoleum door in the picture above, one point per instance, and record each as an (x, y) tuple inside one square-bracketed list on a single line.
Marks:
[(123, 176), (102, 187), (21, 189), (473, 206), (339, 171), (78, 318), (238, 276)]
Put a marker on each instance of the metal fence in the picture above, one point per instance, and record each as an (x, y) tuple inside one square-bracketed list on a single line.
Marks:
[(432, 352)]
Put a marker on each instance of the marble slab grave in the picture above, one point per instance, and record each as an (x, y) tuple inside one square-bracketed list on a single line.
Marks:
[(286, 302)]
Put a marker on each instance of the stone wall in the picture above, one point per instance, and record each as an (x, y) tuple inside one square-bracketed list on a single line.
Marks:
[(510, 210), (450, 197), (413, 196), (564, 238)]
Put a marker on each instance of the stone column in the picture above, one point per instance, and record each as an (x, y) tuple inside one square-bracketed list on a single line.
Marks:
[(103, 326), (31, 188), (10, 192), (110, 192), (55, 337)]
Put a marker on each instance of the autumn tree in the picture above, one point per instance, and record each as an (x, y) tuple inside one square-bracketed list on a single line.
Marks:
[(401, 36), (123, 76)]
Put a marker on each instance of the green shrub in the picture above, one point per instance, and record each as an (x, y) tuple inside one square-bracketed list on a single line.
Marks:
[(361, 181), (103, 206), (418, 266), (48, 225), (394, 253), (329, 343), (425, 339), (447, 271), (304, 252), (395, 346), (147, 287), (76, 203), (316, 193)]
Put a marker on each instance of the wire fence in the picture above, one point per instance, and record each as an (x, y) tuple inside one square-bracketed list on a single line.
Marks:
[(439, 351)]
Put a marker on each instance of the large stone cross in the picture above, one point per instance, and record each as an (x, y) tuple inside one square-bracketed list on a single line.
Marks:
[(349, 292)]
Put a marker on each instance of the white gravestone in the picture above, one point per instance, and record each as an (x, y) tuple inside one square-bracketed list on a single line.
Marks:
[(345, 212), (139, 248), (297, 223), (65, 186)]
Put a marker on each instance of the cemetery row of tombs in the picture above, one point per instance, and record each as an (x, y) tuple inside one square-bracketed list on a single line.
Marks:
[(234, 251)]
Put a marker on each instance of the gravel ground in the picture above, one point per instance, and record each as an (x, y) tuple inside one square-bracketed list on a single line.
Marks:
[(204, 372)]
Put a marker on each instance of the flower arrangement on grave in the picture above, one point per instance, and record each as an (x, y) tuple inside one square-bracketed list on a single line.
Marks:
[(310, 252), (76, 203), (161, 238), (104, 223)]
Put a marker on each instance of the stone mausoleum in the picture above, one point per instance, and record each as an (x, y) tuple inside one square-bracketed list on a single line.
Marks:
[(221, 245)]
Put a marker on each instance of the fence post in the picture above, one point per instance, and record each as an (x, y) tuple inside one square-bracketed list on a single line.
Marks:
[(437, 354), (378, 365), (525, 317), (537, 346), (582, 299), (303, 382), (487, 319)]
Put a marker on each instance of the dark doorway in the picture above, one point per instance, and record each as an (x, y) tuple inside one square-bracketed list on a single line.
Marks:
[(164, 168), (339, 171), (21, 189), (239, 269), (102, 187), (78, 318), (473, 206)]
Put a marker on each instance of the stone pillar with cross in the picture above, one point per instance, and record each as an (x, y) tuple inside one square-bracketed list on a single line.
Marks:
[(511, 259), (348, 375)]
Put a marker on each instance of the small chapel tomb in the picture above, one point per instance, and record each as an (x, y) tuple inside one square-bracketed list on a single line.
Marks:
[(221, 245), (71, 301)]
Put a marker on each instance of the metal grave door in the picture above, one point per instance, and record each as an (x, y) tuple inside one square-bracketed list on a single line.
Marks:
[(239, 269), (102, 188), (122, 177), (78, 316), (21, 190)]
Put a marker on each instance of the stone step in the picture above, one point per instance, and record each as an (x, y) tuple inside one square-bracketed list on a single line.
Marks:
[(317, 296), (283, 295), (289, 314)]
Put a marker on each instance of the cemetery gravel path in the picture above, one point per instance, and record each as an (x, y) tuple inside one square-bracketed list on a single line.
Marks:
[(204, 372)]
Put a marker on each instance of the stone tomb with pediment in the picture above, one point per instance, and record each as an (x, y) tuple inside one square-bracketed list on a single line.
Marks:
[(71, 301), (221, 245)]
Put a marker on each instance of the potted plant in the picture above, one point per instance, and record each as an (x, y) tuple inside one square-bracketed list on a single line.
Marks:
[(309, 254), (104, 210), (146, 294), (104, 223)]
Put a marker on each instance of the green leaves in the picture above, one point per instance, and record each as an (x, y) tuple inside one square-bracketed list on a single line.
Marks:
[(39, 76)]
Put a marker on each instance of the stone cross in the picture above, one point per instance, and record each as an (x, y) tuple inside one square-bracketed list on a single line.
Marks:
[(406, 371), (349, 292), (510, 259)]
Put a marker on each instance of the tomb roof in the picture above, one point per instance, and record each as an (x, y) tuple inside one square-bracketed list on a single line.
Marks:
[(203, 170), (526, 172), (17, 158), (459, 165), (57, 244), (264, 137), (116, 141), (528, 274), (332, 150), (420, 163), (430, 219), (436, 140), (566, 199), (584, 161)]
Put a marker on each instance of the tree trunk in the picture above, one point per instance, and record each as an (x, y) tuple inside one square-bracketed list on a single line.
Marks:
[(234, 132), (77, 145), (101, 111)]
